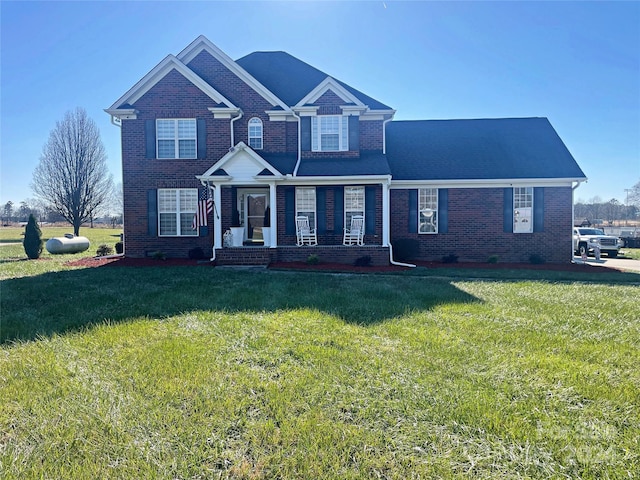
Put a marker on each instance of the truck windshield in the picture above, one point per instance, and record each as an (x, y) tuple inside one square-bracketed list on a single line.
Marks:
[(591, 231)]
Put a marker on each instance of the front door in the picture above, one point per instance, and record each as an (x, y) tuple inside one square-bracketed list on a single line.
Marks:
[(256, 204)]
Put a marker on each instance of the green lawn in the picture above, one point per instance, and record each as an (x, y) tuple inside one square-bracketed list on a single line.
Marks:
[(198, 372)]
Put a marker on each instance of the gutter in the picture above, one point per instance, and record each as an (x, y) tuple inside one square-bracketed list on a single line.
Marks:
[(240, 113), (573, 218), (393, 262)]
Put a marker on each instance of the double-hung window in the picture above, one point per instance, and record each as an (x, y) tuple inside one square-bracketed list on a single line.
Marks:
[(353, 203), (176, 138), (428, 210), (523, 210), (306, 204), (255, 133), (329, 133), (176, 208)]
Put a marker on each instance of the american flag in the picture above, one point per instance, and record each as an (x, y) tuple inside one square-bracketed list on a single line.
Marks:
[(204, 208)]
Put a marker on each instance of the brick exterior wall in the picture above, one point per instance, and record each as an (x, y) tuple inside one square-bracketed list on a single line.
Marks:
[(475, 216), (476, 228)]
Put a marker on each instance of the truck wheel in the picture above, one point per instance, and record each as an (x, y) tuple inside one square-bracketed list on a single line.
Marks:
[(612, 254), (582, 249)]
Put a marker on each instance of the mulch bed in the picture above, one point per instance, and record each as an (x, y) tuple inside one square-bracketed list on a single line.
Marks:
[(337, 267)]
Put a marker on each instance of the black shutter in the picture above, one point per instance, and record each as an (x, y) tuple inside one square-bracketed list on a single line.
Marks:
[(150, 138), (152, 213), (538, 209), (338, 209), (354, 133), (321, 209), (290, 210), (202, 138), (305, 134), (507, 210), (443, 210), (370, 209), (413, 211)]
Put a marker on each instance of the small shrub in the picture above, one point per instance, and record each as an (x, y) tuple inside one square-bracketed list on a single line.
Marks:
[(159, 255), (405, 249), (119, 247), (451, 258), (313, 260), (32, 241), (196, 254), (493, 259), (104, 250), (536, 259), (364, 261)]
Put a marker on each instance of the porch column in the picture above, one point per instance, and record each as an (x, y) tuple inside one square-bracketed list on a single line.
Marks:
[(385, 214), (217, 222), (273, 211)]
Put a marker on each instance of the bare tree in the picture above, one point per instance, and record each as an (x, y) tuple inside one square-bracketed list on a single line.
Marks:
[(634, 195), (72, 176)]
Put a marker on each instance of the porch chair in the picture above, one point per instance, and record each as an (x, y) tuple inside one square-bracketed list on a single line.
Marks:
[(354, 235), (305, 235)]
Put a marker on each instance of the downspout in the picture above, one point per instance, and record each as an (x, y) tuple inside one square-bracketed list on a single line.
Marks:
[(384, 152), (384, 134), (232, 133), (295, 170)]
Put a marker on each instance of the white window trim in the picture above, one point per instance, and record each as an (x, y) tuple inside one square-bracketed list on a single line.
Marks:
[(312, 224), (176, 139), (261, 137), (178, 212), (353, 211), (433, 211), (343, 133), (522, 215)]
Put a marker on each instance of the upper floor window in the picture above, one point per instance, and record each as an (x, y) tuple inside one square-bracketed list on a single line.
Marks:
[(428, 210), (255, 133), (353, 203), (176, 138), (523, 210), (306, 204), (329, 133), (176, 208)]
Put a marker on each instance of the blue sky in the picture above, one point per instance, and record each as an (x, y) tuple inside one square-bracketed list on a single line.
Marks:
[(576, 63)]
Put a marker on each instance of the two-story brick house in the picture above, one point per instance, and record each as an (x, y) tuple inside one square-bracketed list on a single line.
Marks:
[(268, 138)]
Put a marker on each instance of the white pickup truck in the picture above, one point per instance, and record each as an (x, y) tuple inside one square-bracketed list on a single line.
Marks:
[(586, 239)]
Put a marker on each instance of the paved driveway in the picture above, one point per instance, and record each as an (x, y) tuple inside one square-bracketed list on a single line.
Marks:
[(619, 263)]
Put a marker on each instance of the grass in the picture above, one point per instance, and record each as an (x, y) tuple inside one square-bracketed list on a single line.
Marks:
[(197, 372), (633, 253)]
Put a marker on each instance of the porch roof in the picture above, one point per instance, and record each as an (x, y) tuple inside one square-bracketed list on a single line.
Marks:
[(368, 163)]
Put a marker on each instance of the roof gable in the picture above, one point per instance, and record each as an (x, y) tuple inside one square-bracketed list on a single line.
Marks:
[(329, 84), (242, 163), (292, 79), (158, 73), (203, 43)]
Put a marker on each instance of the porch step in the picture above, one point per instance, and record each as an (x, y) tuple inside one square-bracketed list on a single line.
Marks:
[(245, 256)]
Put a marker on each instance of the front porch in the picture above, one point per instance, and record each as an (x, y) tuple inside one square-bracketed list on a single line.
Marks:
[(260, 255)]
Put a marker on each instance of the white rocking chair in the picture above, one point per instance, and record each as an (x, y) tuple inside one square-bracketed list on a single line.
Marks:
[(305, 235), (355, 234)]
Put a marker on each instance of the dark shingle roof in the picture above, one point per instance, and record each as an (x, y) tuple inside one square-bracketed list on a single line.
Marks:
[(291, 79), (478, 149), (283, 162), (369, 163)]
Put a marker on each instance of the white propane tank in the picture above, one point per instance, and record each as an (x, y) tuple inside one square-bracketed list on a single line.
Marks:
[(67, 244)]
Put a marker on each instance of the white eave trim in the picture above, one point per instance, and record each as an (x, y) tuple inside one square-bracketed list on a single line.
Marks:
[(203, 43), (158, 73), (224, 112), (339, 180), (330, 84), (122, 113), (214, 178), (488, 183)]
